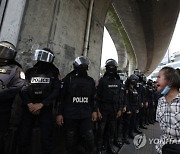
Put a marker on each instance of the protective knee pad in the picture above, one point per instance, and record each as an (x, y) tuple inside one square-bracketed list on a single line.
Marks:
[(88, 137), (112, 125), (101, 128), (70, 139)]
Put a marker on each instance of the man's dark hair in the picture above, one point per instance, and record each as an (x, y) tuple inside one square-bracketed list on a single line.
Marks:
[(172, 76)]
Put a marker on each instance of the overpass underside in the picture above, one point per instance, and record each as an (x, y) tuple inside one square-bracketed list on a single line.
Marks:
[(142, 30)]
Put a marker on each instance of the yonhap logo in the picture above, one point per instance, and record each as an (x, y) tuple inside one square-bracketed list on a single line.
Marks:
[(139, 141)]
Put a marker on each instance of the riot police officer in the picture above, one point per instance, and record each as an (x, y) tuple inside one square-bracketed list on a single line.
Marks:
[(41, 90), (140, 90), (119, 121), (11, 80), (129, 116), (150, 99), (77, 107), (142, 80), (109, 104)]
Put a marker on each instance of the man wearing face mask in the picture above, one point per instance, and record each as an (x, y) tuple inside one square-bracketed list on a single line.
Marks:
[(150, 99), (11, 81), (109, 105), (123, 77), (77, 108), (132, 106), (139, 88), (39, 94)]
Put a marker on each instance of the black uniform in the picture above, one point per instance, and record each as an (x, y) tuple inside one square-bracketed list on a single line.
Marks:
[(139, 114), (109, 103), (43, 87), (120, 120), (151, 105), (77, 106), (143, 109), (11, 80), (132, 106)]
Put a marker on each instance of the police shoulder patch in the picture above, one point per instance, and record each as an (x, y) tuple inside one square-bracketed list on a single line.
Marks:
[(22, 75), (3, 70)]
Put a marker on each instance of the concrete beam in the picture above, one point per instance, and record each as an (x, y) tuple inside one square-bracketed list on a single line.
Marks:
[(12, 21), (128, 14), (149, 25), (121, 41)]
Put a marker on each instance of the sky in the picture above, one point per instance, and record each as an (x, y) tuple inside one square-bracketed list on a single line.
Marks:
[(109, 50), (175, 42)]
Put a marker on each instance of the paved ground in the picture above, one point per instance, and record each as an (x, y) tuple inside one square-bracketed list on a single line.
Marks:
[(153, 131)]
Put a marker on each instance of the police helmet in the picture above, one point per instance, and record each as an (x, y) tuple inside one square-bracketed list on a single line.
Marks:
[(150, 82), (137, 72), (133, 77), (111, 62), (45, 55), (7, 50), (81, 62)]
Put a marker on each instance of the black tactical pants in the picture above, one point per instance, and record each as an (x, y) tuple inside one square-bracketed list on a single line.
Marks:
[(46, 128), (82, 128), (132, 121), (142, 116), (5, 114), (109, 121), (126, 125)]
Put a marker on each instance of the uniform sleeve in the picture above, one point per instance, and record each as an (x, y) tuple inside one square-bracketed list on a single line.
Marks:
[(128, 100), (94, 97), (62, 96), (121, 99), (14, 86), (99, 92), (25, 89)]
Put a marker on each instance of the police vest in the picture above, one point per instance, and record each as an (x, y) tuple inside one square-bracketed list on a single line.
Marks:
[(133, 97), (111, 90), (80, 90), (7, 73), (40, 85)]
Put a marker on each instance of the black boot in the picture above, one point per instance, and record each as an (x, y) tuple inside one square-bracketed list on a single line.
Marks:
[(111, 148), (143, 127), (99, 151), (131, 136), (138, 131), (125, 141), (118, 143)]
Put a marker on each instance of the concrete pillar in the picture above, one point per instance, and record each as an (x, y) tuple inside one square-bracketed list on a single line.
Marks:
[(12, 20), (60, 25)]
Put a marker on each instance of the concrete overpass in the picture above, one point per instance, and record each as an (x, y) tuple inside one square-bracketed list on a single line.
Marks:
[(140, 29)]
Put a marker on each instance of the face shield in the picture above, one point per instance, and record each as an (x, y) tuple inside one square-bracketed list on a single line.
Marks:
[(137, 72), (81, 63), (7, 53), (122, 76), (43, 55)]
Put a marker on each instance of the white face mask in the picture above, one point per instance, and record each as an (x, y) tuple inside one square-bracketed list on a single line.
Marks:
[(43, 55)]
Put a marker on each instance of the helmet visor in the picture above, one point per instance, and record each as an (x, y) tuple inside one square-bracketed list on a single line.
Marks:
[(122, 76), (6, 53), (136, 72), (43, 55)]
